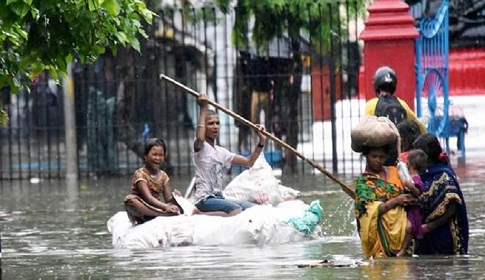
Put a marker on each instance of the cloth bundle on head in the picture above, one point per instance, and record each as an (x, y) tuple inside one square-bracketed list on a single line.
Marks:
[(374, 132)]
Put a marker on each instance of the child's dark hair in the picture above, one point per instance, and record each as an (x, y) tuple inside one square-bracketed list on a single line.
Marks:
[(430, 144), (418, 159), (409, 132), (155, 142)]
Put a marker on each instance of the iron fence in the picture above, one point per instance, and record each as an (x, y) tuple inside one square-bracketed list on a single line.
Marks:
[(311, 83)]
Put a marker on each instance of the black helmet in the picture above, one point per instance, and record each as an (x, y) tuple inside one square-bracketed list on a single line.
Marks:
[(385, 79)]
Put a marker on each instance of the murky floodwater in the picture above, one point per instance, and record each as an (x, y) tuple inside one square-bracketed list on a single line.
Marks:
[(56, 230)]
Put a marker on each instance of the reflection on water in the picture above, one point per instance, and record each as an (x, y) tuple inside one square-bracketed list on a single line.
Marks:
[(58, 229)]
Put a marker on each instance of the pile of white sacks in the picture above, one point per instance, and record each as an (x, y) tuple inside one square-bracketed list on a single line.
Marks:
[(279, 217)]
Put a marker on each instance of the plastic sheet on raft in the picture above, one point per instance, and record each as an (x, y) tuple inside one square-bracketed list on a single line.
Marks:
[(260, 225), (277, 218)]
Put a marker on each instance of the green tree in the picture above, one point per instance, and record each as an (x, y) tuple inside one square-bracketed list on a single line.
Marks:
[(39, 35)]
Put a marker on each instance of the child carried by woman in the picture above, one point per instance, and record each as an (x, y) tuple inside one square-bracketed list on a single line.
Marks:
[(416, 163)]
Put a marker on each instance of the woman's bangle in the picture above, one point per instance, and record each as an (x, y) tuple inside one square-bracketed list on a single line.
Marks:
[(200, 125), (260, 145)]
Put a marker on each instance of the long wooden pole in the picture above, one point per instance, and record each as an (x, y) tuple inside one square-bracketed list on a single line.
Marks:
[(344, 186)]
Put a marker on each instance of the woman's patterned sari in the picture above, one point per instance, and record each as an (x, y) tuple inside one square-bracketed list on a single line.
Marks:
[(381, 235), (442, 188)]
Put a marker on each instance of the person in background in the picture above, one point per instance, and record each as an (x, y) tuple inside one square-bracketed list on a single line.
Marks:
[(379, 205), (262, 87), (388, 105), (148, 183), (210, 159), (444, 213), (409, 131)]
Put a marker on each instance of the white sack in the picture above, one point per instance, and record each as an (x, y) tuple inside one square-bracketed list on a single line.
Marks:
[(256, 185)]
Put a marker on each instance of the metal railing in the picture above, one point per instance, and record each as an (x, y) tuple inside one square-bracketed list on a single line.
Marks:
[(120, 100)]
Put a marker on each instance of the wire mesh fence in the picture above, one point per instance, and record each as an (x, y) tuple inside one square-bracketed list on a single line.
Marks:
[(302, 87)]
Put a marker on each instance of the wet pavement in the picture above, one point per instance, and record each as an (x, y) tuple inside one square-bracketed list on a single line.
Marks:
[(55, 230), (470, 107), (473, 169)]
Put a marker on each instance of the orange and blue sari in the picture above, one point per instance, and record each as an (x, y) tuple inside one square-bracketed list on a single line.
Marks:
[(381, 235)]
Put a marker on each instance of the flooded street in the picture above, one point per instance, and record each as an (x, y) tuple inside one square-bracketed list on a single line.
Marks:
[(54, 230)]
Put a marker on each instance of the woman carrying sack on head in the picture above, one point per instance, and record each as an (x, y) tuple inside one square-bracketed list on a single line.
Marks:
[(380, 195)]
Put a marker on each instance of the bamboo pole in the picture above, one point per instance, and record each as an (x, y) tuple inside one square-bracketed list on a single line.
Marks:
[(278, 141)]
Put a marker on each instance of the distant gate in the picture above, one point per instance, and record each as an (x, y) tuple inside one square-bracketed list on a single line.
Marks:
[(432, 47), (432, 53)]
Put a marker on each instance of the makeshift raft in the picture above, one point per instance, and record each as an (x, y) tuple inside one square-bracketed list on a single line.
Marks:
[(278, 218)]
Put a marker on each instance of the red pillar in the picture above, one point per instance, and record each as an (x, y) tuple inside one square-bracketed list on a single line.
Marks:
[(388, 37)]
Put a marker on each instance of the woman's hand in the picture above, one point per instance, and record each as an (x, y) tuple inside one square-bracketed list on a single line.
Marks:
[(423, 198), (408, 184), (401, 200), (406, 200)]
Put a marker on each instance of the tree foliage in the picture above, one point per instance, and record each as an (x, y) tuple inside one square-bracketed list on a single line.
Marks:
[(273, 18), (39, 35)]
